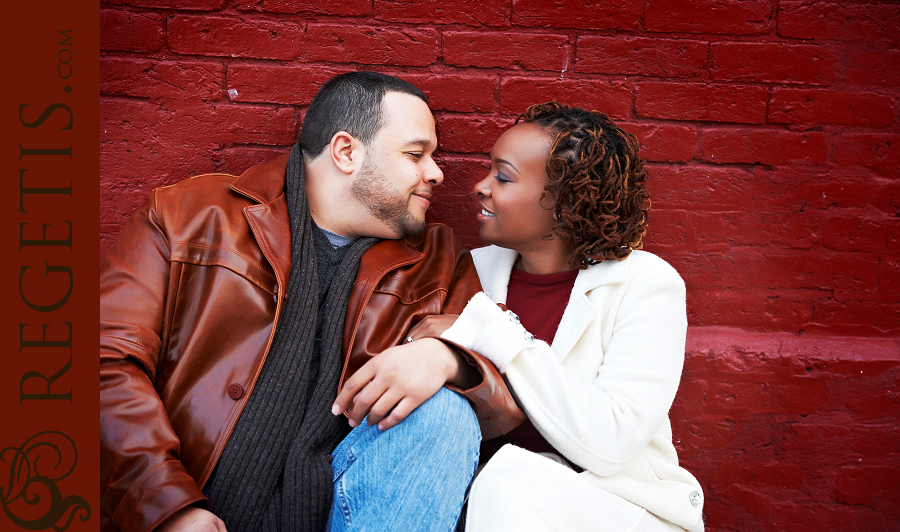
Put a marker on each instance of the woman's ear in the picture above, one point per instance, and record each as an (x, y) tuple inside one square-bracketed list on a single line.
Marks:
[(347, 153)]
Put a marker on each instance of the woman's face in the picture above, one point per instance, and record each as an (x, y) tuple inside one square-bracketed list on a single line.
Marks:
[(513, 214)]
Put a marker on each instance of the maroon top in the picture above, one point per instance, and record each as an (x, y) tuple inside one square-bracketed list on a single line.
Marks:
[(539, 301)]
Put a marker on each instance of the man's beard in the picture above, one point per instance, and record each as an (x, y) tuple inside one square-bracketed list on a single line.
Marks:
[(374, 190)]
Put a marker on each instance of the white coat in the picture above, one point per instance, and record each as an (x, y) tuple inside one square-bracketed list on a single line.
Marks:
[(601, 392)]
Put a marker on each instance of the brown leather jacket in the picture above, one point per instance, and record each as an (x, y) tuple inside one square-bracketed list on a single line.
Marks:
[(190, 296)]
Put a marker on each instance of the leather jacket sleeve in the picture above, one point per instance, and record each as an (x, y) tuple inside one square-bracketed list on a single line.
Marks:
[(491, 399), (142, 481), (401, 281)]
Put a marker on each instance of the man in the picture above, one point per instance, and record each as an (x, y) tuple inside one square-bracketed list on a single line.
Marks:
[(233, 309)]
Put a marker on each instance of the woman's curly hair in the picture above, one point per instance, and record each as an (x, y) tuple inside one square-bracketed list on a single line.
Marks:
[(597, 180)]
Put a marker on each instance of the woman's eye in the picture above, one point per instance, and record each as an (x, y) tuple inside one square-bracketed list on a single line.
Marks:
[(501, 178), (415, 155)]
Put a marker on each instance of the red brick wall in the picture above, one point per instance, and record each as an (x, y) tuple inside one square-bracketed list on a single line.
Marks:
[(774, 150)]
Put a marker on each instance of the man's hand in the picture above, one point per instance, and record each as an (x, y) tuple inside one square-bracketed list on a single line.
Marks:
[(393, 384), (432, 326), (192, 519)]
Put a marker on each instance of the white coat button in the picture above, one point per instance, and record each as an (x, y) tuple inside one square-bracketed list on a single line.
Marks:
[(696, 498)]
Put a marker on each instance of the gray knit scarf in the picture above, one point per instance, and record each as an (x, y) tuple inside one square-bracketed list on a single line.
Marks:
[(275, 470)]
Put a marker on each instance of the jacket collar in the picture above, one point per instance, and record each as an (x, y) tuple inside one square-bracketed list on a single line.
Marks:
[(268, 218), (263, 183), (495, 267)]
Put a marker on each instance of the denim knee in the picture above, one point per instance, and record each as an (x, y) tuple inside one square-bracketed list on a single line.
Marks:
[(446, 412)]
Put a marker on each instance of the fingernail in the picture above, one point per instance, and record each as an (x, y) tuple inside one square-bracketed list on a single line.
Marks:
[(381, 427), (335, 409), (352, 423)]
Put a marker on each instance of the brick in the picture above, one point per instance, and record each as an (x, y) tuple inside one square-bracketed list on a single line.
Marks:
[(813, 517), (856, 317), (817, 271), (663, 142), (893, 235), (469, 134), (815, 438), (694, 101), (671, 58), (877, 441), (174, 145), (878, 151), (445, 12), (852, 233), (193, 5), (798, 187), (584, 14), (700, 188), (459, 93), (746, 400), (764, 475), (246, 124), (873, 67), (224, 36), (757, 503), (285, 84), (875, 404), (820, 106), (453, 203), (867, 485), (710, 433), (667, 229), (772, 63), (723, 17), (371, 45), (765, 146), (839, 21), (238, 159), (143, 78), (348, 8), (506, 50), (753, 309), (130, 138), (722, 231), (130, 32), (889, 277), (613, 98), (731, 270)]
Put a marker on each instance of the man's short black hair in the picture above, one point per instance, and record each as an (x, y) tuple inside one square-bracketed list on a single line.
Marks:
[(349, 102)]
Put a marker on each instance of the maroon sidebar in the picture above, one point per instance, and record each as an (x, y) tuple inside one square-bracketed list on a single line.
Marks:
[(49, 243)]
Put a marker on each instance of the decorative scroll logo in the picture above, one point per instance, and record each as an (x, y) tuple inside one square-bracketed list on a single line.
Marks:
[(32, 499)]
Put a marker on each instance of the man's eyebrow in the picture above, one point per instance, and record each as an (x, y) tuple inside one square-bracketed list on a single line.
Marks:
[(507, 163), (423, 142)]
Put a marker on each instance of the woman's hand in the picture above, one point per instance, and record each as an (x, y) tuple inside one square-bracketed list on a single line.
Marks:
[(432, 326)]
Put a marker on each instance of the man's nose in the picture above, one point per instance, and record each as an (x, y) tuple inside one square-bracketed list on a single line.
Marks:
[(433, 173)]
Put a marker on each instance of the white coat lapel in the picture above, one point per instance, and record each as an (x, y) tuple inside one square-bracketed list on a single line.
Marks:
[(580, 311), (494, 265)]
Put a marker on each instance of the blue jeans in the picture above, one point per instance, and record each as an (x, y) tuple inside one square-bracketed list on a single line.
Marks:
[(412, 476)]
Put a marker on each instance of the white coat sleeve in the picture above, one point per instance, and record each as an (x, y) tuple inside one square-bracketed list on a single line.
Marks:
[(600, 421)]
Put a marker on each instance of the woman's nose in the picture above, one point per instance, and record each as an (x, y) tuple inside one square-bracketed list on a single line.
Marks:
[(482, 188)]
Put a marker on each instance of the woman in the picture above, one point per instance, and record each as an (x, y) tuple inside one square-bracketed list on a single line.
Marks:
[(593, 343)]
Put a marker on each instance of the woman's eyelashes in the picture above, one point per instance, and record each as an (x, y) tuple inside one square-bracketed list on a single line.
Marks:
[(502, 178)]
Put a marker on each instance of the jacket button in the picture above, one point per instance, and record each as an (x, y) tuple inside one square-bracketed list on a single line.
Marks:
[(235, 391), (696, 498)]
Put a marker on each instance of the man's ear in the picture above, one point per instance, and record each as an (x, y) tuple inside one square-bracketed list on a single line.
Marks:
[(347, 153)]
